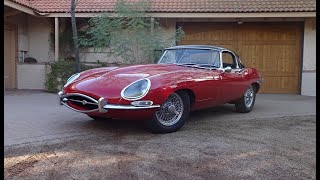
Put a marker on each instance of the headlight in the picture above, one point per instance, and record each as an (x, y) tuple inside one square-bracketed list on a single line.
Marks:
[(136, 90), (72, 78)]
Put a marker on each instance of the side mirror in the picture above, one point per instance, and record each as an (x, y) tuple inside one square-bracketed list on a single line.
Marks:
[(227, 69)]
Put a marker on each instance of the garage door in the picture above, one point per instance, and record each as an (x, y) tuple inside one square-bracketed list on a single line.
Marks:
[(272, 48)]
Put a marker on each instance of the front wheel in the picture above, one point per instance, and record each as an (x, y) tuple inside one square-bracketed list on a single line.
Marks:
[(171, 115), (246, 103)]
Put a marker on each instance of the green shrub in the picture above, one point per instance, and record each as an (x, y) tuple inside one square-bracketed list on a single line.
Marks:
[(130, 34), (60, 72)]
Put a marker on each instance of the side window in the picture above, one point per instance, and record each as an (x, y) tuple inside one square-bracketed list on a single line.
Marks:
[(228, 59)]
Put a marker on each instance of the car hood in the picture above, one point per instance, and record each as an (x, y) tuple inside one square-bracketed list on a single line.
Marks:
[(109, 82)]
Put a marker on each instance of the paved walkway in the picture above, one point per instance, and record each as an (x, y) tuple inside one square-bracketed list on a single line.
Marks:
[(35, 116)]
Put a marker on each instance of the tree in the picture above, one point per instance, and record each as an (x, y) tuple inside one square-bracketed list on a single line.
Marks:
[(128, 33), (75, 36)]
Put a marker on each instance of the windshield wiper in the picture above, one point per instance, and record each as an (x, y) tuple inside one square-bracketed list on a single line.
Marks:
[(195, 65), (208, 65), (186, 64)]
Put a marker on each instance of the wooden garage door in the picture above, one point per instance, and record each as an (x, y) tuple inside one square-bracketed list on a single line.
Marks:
[(272, 48)]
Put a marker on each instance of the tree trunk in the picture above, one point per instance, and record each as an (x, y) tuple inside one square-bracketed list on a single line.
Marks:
[(75, 36)]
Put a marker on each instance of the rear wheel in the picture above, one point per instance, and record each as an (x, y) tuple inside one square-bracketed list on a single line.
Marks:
[(171, 115), (246, 103)]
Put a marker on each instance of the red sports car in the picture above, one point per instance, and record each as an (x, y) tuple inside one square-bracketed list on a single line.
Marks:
[(186, 78)]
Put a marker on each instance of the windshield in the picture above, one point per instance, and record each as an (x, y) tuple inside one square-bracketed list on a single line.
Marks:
[(199, 57)]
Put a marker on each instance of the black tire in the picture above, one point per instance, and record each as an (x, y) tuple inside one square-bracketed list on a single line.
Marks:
[(241, 105), (97, 118), (155, 126)]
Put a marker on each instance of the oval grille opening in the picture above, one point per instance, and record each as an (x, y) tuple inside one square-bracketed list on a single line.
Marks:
[(82, 102)]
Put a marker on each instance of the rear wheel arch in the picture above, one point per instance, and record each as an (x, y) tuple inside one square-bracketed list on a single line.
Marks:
[(256, 86)]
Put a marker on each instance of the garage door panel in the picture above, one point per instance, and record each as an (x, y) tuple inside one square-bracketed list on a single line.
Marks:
[(278, 74), (220, 35), (268, 42), (278, 64), (226, 44), (210, 32), (268, 32), (270, 58), (279, 85)]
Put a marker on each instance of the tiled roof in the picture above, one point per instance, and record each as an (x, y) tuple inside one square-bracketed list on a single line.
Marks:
[(23, 2), (180, 6)]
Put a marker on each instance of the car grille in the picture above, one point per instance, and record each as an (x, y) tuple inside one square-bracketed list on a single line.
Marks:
[(82, 102)]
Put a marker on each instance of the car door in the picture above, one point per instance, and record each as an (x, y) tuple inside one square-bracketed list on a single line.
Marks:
[(232, 80)]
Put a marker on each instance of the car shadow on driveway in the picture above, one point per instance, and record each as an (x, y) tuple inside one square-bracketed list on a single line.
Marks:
[(137, 126), (216, 111)]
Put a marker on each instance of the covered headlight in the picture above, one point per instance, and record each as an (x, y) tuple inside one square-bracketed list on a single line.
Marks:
[(72, 78), (136, 90)]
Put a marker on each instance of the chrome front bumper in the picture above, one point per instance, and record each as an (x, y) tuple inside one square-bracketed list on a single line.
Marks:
[(102, 104)]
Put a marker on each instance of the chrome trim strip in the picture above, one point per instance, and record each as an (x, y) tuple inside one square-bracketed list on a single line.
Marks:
[(78, 94), (82, 111), (128, 107), (80, 101), (64, 98), (102, 105), (60, 93), (146, 103), (75, 76)]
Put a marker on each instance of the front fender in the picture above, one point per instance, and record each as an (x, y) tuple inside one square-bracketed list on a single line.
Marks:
[(162, 87)]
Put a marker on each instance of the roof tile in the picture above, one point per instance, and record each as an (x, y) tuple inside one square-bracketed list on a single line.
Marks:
[(179, 6)]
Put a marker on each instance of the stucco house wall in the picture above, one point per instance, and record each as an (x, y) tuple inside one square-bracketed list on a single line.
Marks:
[(308, 83), (39, 30), (31, 76)]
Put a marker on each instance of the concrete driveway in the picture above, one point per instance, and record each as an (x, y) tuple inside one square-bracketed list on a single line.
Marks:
[(31, 116), (46, 141)]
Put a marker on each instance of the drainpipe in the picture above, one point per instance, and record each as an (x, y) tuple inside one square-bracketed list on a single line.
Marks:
[(152, 33), (152, 26), (56, 39)]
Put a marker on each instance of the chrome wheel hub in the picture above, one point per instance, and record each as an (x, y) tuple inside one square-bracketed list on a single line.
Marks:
[(170, 111), (248, 97)]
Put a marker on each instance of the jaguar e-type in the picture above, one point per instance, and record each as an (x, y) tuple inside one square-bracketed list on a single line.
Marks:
[(186, 78)]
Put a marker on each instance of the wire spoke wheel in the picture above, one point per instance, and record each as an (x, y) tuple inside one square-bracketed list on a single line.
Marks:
[(171, 110), (246, 102), (248, 97)]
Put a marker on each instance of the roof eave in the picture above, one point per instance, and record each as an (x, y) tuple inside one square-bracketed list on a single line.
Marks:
[(199, 15), (20, 7)]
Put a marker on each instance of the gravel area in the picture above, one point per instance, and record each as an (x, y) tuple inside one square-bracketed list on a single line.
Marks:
[(205, 148)]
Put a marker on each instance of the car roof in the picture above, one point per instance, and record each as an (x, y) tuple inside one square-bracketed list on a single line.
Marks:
[(198, 47)]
